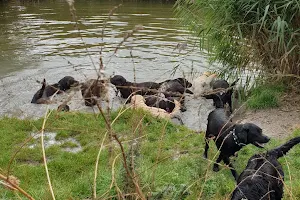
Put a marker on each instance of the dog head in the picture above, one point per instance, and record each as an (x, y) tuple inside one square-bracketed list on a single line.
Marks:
[(220, 84), (167, 104), (250, 133), (67, 82), (185, 83), (118, 80)]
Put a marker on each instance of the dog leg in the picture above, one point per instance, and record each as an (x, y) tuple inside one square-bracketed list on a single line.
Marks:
[(206, 147), (233, 171), (216, 165)]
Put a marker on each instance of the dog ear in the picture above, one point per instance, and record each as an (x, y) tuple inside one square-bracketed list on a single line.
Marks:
[(246, 127), (242, 133)]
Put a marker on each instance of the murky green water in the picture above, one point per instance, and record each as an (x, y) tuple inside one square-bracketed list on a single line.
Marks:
[(42, 35), (40, 40)]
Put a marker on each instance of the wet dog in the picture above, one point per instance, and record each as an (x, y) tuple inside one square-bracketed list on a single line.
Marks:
[(224, 94), (127, 88), (175, 87), (138, 101), (167, 104), (43, 94), (202, 84), (263, 177), (67, 82), (230, 138), (92, 89)]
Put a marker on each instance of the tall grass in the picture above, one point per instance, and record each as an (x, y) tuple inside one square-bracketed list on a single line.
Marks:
[(247, 34)]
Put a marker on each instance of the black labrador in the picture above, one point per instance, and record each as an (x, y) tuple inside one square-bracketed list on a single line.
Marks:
[(263, 177), (223, 96), (230, 137), (176, 88), (127, 88), (167, 104), (67, 82), (41, 96), (171, 88)]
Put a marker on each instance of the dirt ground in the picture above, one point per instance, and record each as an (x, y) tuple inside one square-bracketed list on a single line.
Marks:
[(276, 122)]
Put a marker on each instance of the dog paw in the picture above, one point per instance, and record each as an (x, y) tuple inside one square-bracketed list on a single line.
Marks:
[(216, 168), (204, 156)]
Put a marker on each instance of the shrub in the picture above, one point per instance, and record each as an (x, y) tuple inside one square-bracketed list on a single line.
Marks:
[(244, 34)]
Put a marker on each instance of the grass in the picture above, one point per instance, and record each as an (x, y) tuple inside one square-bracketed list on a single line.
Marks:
[(265, 96), (168, 159)]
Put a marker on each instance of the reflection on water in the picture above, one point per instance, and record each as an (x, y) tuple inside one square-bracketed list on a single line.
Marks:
[(39, 41), (41, 35)]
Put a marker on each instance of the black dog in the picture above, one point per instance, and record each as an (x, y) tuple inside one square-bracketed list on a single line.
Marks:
[(176, 88), (160, 102), (67, 82), (230, 137), (263, 177), (41, 96), (171, 88), (126, 88), (224, 96)]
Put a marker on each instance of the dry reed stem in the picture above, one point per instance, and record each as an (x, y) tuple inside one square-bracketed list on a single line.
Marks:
[(44, 152), (16, 187), (112, 177), (96, 167), (139, 192), (74, 17)]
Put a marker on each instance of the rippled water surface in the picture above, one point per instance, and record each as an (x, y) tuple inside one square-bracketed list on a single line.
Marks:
[(40, 40)]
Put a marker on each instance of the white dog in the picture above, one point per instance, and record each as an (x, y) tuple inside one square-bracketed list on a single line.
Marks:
[(202, 84)]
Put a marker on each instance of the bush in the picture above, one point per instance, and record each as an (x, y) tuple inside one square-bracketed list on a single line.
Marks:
[(245, 34)]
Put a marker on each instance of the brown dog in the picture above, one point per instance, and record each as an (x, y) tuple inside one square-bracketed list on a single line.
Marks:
[(92, 89)]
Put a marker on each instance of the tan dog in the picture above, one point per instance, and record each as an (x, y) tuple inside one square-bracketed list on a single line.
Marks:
[(138, 101), (202, 84)]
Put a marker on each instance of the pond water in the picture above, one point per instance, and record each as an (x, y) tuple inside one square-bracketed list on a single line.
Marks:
[(40, 40)]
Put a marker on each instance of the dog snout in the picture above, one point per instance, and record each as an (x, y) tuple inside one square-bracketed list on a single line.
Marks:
[(267, 139)]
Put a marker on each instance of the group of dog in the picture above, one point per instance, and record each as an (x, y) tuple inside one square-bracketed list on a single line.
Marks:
[(263, 177)]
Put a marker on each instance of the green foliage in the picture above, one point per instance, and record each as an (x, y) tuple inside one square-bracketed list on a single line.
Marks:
[(265, 96), (242, 34), (169, 163)]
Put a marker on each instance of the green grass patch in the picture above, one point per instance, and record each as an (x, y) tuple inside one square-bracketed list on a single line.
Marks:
[(265, 96), (168, 159)]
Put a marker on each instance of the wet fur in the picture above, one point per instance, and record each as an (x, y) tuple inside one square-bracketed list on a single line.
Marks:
[(223, 97), (127, 88), (219, 128), (67, 82), (92, 89), (167, 104), (263, 176), (46, 91), (43, 94), (175, 87)]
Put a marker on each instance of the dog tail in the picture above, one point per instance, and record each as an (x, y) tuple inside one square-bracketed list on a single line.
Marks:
[(283, 149)]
